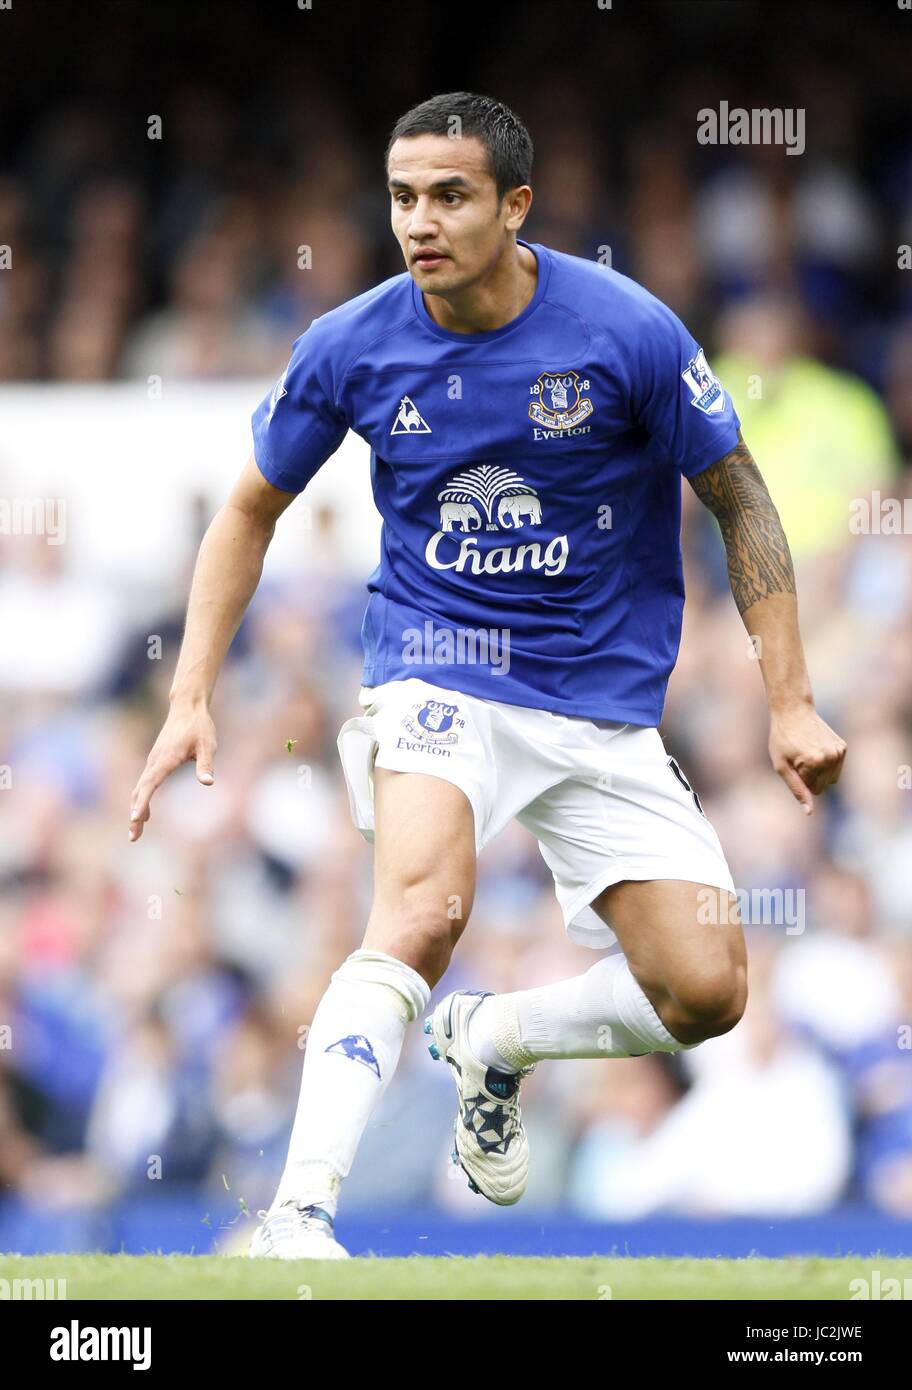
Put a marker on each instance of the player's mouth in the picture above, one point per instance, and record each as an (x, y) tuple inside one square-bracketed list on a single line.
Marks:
[(428, 259)]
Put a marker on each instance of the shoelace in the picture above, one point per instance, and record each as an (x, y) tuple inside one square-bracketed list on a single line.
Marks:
[(511, 1106)]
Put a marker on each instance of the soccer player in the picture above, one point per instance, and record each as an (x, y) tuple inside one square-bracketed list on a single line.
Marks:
[(530, 415)]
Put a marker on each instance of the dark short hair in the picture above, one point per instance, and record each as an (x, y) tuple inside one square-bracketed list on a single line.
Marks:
[(502, 133)]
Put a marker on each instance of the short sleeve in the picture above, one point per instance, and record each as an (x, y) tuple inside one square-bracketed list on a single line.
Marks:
[(678, 399), (297, 427)]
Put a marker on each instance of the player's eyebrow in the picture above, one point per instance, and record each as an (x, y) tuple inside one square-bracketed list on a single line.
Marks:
[(455, 181)]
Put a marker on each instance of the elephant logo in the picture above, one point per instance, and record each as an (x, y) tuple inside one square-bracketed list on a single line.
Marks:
[(489, 493), (465, 513), (523, 504)]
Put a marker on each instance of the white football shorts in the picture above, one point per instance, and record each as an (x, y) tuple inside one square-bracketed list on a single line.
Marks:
[(605, 801)]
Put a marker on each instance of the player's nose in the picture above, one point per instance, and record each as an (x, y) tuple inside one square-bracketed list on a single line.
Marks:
[(421, 224)]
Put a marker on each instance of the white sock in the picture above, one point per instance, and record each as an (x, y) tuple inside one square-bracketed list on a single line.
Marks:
[(352, 1052), (602, 1013)]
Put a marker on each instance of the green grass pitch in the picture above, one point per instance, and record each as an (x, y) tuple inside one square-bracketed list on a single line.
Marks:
[(422, 1278)]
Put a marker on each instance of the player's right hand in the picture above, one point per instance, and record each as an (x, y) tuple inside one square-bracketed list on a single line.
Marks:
[(186, 736)]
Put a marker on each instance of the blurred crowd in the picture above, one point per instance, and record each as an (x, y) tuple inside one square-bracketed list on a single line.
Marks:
[(155, 998), (170, 213)]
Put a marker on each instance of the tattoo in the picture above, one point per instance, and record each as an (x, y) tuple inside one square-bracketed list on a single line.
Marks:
[(759, 560)]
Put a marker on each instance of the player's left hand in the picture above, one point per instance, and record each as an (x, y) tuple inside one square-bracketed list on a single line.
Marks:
[(807, 754)]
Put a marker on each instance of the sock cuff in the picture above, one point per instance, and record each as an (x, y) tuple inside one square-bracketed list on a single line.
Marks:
[(506, 1031), (376, 967), (637, 1014)]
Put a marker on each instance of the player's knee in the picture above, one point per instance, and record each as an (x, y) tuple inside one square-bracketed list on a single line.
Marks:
[(432, 907), (711, 1002), (420, 910), (425, 910)]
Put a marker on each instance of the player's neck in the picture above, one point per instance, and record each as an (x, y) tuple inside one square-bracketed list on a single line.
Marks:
[(494, 303)]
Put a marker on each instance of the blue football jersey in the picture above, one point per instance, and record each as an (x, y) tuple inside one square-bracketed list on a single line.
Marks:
[(529, 480)]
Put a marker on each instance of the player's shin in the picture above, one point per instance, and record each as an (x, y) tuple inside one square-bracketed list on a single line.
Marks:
[(602, 1013), (352, 1051)]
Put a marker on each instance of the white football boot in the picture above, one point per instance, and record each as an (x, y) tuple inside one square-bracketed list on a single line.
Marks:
[(295, 1232), (491, 1144)]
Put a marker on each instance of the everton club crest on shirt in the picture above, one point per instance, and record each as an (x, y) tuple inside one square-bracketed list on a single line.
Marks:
[(559, 405)]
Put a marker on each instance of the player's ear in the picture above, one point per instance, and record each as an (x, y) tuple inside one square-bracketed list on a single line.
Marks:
[(517, 202)]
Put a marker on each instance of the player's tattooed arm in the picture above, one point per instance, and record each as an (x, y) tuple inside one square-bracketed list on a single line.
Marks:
[(759, 561), (807, 754)]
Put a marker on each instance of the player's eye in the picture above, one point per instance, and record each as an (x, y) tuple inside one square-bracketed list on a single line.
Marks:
[(451, 199)]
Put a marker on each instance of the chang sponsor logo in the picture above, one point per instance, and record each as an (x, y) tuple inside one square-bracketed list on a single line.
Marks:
[(491, 498), (503, 559)]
